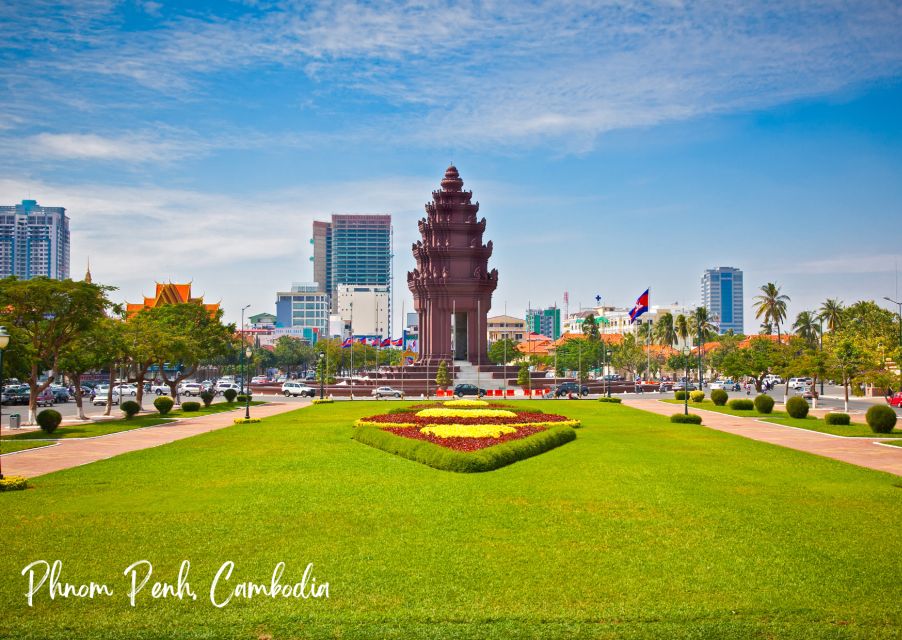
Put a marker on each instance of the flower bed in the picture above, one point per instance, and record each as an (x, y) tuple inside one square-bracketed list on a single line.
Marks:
[(465, 413), (466, 403)]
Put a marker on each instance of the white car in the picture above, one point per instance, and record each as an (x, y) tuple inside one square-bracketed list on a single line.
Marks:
[(101, 392), (191, 389), (221, 387), (773, 378), (386, 392), (127, 389), (799, 384), (297, 389), (726, 385), (160, 389)]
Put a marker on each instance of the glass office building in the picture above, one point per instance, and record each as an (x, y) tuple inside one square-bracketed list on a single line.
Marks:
[(305, 307), (722, 296), (353, 249)]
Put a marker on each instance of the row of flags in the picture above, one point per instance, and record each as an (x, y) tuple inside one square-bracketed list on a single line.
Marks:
[(378, 342)]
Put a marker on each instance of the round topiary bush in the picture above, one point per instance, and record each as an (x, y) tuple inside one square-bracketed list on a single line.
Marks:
[(680, 395), (682, 418), (841, 419), (797, 407), (741, 404), (163, 404), (613, 400), (190, 407), (49, 420), (697, 396), (207, 397), (130, 408), (881, 418), (241, 398), (719, 397), (230, 395), (764, 403)]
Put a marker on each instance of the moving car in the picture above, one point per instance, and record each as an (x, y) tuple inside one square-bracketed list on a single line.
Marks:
[(159, 389), (567, 388), (259, 380), (684, 386), (726, 385), (386, 392), (222, 385), (45, 398), (297, 389), (462, 390), (190, 389), (895, 400), (101, 392), (60, 393), (799, 384)]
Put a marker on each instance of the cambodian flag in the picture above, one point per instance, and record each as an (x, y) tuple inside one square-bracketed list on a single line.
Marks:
[(375, 342), (398, 343), (361, 340), (640, 308), (347, 343), (385, 343)]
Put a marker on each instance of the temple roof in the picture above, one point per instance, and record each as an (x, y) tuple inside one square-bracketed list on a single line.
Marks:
[(170, 293), (452, 181)]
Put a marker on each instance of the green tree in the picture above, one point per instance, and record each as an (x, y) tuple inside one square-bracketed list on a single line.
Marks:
[(681, 328), (442, 380), (831, 313), (754, 361), (291, 353), (47, 316), (770, 305), (523, 378), (95, 348), (847, 361), (807, 328), (665, 333), (503, 351), (629, 356), (590, 328), (701, 326)]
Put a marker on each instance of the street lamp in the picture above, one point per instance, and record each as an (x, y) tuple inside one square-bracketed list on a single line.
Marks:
[(686, 351), (247, 396), (4, 342), (322, 373), (243, 341)]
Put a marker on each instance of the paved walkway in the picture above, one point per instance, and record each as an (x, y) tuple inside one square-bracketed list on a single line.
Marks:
[(73, 452), (861, 451)]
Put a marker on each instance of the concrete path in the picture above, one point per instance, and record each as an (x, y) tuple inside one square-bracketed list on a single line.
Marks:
[(73, 452), (861, 451)]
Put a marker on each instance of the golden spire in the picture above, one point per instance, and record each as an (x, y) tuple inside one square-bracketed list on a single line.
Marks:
[(88, 272)]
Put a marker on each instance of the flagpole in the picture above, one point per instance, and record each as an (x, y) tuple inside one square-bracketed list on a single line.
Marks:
[(401, 361), (352, 349), (648, 339)]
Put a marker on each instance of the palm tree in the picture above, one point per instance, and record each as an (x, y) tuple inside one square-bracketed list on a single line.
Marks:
[(807, 327), (771, 305), (681, 328), (831, 313), (766, 328), (664, 330), (700, 322)]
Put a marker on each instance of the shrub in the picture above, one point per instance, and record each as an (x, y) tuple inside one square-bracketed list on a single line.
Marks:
[(741, 404), (207, 397), (719, 397), (680, 395), (881, 418), (243, 397), (230, 395), (837, 419), (797, 407), (682, 418), (13, 483), (697, 396), (190, 407), (607, 399), (49, 420), (130, 408), (246, 420), (764, 403), (323, 401), (163, 404)]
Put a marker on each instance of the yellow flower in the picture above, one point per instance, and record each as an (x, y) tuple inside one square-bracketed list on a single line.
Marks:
[(466, 403), (465, 413), (467, 430)]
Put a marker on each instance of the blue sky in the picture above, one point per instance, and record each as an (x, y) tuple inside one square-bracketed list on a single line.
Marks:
[(612, 146)]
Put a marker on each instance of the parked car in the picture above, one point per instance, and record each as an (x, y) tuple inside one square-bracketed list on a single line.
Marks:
[(16, 394), (259, 380), (895, 400), (190, 389), (297, 389), (799, 384), (159, 389), (45, 398), (568, 388), (310, 376), (684, 386), (462, 390), (386, 392), (726, 385), (101, 392), (60, 393), (222, 385), (127, 389), (773, 379)]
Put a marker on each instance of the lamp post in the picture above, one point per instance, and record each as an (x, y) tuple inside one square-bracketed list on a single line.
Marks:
[(243, 343), (4, 342), (686, 351), (821, 336), (247, 395), (322, 373)]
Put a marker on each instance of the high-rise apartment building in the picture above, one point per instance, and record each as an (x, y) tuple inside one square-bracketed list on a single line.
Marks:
[(352, 249), (546, 322), (34, 241), (304, 308), (722, 296)]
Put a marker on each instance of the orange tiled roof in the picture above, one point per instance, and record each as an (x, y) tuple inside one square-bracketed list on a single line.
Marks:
[(169, 293)]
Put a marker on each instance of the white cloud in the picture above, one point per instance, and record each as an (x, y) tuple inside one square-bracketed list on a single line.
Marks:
[(89, 146), (860, 263)]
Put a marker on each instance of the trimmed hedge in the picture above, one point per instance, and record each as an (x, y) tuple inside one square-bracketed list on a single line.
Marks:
[(682, 418), (323, 401), (230, 395), (130, 408), (163, 404), (697, 396), (741, 404), (13, 483), (764, 403), (190, 407), (797, 407), (719, 397), (679, 395), (207, 397), (246, 420), (488, 459), (881, 418), (49, 420), (841, 419), (242, 397), (613, 400)]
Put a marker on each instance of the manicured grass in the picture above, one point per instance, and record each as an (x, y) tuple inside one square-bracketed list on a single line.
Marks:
[(10, 447), (811, 423), (638, 528), (897, 443), (105, 427)]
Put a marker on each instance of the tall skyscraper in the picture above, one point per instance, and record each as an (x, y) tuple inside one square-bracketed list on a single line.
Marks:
[(34, 241), (546, 322), (722, 296), (352, 249)]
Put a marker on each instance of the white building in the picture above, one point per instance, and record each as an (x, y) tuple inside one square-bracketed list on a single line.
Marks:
[(616, 320), (34, 241), (306, 308), (365, 308)]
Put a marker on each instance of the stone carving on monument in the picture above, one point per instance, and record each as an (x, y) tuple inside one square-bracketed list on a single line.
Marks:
[(452, 285)]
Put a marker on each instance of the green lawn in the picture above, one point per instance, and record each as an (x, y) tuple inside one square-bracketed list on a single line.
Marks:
[(781, 417), (10, 447), (638, 529), (104, 427), (897, 443)]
